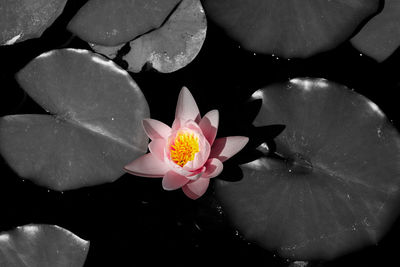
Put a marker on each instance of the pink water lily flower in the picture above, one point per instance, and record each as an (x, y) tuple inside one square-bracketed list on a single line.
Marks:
[(187, 155)]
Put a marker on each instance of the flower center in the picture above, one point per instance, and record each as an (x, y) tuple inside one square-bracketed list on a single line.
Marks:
[(184, 148)]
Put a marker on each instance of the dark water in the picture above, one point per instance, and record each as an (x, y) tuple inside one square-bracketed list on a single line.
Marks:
[(133, 222)]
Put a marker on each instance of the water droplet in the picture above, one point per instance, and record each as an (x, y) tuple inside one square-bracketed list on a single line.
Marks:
[(197, 226), (379, 132), (219, 210), (366, 222), (299, 264)]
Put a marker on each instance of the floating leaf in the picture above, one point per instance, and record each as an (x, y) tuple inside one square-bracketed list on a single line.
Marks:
[(111, 23), (21, 20), (175, 44), (42, 245), (333, 184), (96, 128), (380, 37), (289, 28)]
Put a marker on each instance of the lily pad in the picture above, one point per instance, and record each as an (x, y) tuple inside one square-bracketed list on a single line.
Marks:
[(380, 37), (96, 127), (331, 186), (289, 28), (111, 23), (175, 44), (21, 20), (42, 245)]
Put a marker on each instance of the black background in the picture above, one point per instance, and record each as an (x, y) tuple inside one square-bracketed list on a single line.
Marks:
[(133, 222)]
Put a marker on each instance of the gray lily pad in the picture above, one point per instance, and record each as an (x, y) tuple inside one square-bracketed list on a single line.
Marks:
[(289, 28), (42, 246), (331, 186), (95, 129), (380, 37), (111, 23), (175, 44), (21, 20)]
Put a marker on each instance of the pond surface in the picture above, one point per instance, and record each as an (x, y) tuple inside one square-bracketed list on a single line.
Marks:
[(133, 221)]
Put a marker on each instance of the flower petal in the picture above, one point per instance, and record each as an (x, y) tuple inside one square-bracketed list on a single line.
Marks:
[(192, 125), (147, 166), (196, 174), (213, 168), (197, 188), (186, 108), (156, 129), (209, 125), (173, 180), (226, 147), (156, 147), (176, 124), (201, 157)]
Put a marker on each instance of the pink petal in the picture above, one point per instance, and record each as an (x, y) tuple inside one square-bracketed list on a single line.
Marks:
[(226, 147), (147, 166), (197, 188), (176, 124), (156, 147), (156, 129), (201, 157), (209, 125), (213, 168), (192, 125), (186, 108), (172, 181), (196, 174)]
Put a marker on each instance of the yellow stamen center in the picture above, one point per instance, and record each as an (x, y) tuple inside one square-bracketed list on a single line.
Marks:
[(184, 148)]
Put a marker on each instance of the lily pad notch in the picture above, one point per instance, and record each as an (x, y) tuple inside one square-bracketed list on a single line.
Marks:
[(335, 187), (95, 128)]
